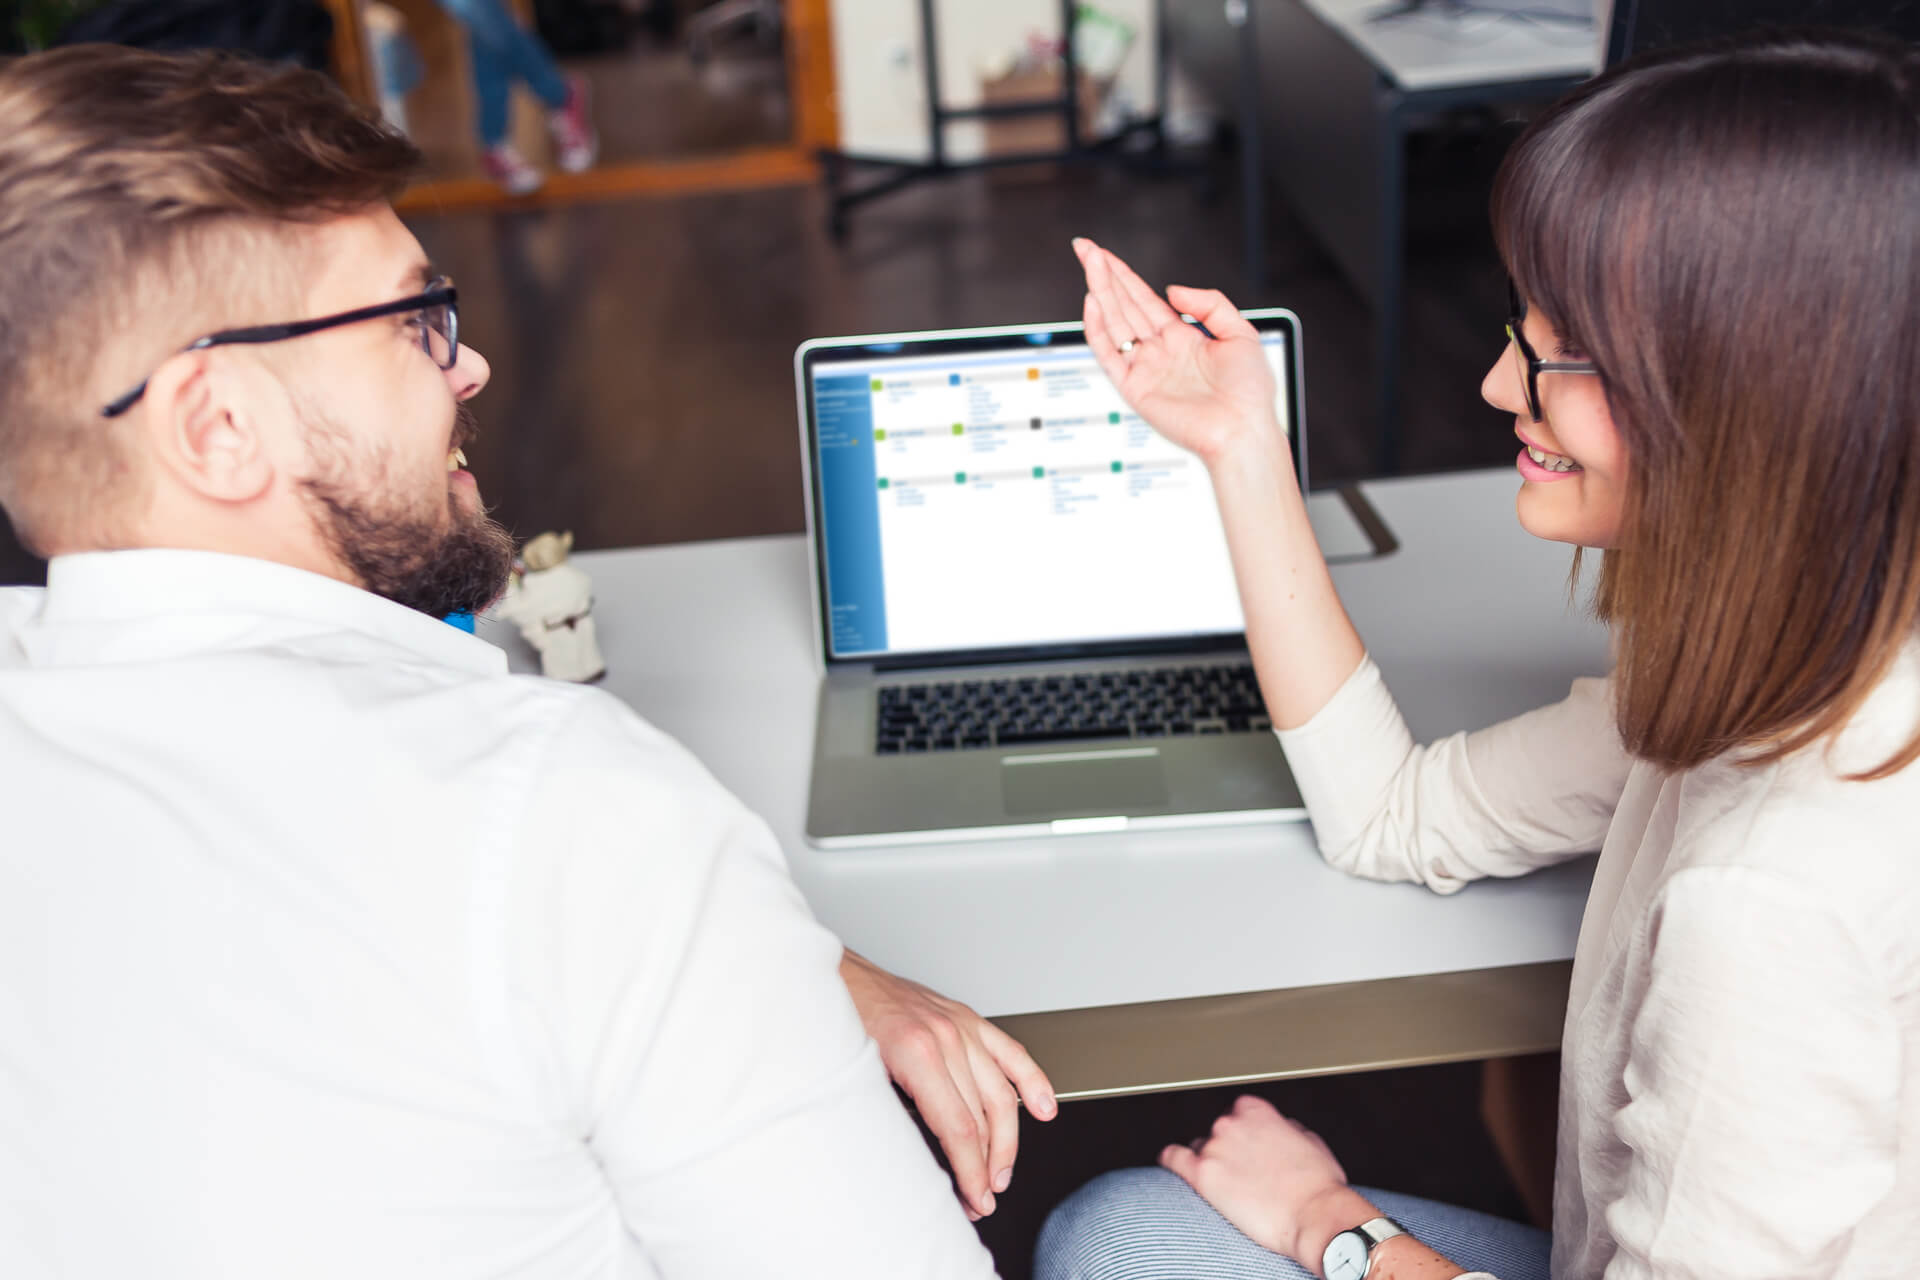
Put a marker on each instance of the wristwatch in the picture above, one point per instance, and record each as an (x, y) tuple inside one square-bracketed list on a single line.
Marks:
[(1349, 1255)]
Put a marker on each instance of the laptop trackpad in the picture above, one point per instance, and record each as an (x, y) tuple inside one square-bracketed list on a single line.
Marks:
[(1124, 780)]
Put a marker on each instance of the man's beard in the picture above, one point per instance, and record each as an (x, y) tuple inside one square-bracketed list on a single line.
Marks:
[(405, 554)]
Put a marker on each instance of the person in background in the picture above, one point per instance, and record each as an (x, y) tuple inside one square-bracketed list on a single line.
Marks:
[(502, 51), (328, 947), (1713, 369)]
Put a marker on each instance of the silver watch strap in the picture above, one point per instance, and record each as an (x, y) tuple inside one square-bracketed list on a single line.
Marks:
[(1378, 1231)]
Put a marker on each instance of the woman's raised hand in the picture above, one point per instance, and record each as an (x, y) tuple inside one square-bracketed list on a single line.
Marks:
[(1202, 393)]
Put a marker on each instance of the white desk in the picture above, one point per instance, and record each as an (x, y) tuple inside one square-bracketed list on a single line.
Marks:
[(1470, 622)]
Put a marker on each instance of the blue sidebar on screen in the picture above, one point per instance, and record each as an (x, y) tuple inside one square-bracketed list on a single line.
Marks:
[(850, 513)]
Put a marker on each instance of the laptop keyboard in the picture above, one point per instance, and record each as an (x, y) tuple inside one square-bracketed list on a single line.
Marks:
[(1155, 702)]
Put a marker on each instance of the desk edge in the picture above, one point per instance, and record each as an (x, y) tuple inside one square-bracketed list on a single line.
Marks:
[(1343, 1027)]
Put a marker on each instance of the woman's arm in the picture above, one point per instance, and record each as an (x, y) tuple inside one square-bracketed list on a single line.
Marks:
[(1215, 398), (1498, 802)]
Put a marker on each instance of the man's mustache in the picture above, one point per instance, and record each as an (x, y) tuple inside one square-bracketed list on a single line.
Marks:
[(466, 427)]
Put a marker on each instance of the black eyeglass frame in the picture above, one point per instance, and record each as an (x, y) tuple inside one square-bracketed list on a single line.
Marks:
[(438, 293), (1534, 365)]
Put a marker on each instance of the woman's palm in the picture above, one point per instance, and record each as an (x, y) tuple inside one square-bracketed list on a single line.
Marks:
[(1195, 390)]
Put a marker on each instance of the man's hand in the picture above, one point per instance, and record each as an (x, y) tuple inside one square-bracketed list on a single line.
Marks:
[(961, 1071), (1274, 1179)]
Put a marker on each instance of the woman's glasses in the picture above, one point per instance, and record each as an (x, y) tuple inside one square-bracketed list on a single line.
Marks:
[(439, 323), (1531, 365)]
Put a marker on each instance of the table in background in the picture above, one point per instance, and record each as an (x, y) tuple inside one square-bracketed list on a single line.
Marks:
[(1154, 960), (1325, 97)]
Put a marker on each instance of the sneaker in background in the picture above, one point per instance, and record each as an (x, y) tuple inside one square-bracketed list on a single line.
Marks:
[(512, 172), (575, 143)]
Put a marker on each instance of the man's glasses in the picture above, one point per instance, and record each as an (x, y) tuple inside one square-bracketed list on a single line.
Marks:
[(439, 324), (1531, 365)]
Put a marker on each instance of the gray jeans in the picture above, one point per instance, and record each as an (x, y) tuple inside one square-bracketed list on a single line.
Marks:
[(1146, 1224)]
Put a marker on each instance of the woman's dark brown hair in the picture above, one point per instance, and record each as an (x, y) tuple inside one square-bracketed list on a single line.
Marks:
[(1732, 235)]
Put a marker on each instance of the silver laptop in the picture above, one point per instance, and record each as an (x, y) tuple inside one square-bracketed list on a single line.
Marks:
[(1022, 597)]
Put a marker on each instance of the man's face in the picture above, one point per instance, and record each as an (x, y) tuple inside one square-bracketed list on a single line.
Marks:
[(381, 425)]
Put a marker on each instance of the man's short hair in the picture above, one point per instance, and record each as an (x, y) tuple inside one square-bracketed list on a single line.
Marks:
[(127, 181)]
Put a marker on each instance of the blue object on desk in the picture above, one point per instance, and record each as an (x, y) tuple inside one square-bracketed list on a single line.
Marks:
[(464, 621)]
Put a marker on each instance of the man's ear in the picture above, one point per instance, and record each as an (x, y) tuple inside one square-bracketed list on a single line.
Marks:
[(206, 429)]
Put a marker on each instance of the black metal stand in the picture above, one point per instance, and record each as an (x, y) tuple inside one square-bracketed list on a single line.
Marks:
[(896, 173)]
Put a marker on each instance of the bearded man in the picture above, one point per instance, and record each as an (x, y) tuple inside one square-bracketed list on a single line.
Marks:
[(327, 947)]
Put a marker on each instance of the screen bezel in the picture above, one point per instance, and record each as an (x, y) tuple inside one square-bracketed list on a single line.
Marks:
[(826, 351)]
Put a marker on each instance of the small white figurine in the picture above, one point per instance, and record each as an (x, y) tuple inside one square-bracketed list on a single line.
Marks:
[(551, 602)]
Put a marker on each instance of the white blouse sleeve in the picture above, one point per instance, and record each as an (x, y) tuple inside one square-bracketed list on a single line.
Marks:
[(1501, 801), (1762, 1086)]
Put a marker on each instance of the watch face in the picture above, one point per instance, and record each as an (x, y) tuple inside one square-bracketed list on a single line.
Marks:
[(1346, 1257)]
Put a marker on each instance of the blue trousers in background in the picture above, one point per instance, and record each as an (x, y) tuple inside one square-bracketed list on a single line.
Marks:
[(502, 50), (1146, 1224)]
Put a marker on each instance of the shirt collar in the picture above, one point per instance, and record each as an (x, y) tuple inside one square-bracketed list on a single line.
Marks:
[(123, 589)]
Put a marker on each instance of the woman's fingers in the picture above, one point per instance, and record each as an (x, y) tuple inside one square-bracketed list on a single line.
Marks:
[(1155, 315), (1100, 341), (1183, 1161), (1125, 321), (1124, 306), (1212, 309)]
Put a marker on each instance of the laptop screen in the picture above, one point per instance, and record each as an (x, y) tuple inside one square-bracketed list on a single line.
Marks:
[(992, 492)]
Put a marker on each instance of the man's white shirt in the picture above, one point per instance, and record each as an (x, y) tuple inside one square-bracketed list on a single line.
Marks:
[(328, 948)]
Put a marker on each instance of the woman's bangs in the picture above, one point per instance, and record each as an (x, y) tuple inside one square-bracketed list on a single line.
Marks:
[(1558, 218)]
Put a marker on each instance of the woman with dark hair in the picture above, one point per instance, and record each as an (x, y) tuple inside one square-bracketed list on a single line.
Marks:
[(1714, 370)]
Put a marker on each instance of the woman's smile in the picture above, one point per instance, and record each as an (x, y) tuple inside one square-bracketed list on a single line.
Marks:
[(1540, 464)]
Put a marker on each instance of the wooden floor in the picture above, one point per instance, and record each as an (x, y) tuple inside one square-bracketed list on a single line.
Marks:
[(643, 393)]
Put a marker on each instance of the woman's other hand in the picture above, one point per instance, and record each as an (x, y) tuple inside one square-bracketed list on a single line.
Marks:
[(1204, 394), (1274, 1179)]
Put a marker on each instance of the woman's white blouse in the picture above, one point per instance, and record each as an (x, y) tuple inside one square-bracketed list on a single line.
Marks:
[(1740, 1094)]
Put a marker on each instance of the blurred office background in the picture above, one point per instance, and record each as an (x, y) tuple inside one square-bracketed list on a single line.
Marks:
[(641, 317)]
